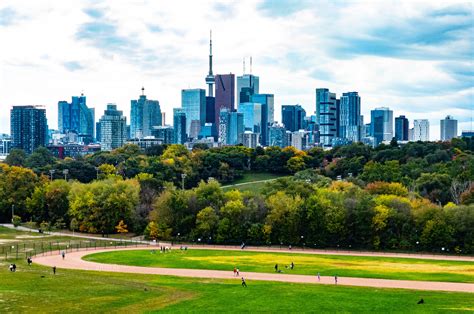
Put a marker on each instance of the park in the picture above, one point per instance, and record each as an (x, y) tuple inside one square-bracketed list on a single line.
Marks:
[(103, 286)]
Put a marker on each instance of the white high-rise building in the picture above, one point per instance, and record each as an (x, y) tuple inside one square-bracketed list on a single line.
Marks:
[(421, 130), (448, 128)]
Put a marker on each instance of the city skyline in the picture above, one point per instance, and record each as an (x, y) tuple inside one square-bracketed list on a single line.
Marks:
[(416, 62)]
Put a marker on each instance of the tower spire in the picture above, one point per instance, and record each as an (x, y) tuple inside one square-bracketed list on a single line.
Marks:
[(244, 66), (250, 64), (143, 90), (210, 76)]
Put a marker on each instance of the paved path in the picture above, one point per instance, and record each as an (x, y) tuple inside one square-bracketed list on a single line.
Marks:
[(74, 261)]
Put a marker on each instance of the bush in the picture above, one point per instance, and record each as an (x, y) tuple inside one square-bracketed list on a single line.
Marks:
[(16, 220)]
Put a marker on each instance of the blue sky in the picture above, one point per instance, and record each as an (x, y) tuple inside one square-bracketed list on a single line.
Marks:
[(415, 57)]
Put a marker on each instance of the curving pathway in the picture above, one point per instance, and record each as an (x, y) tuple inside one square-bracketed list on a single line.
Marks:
[(74, 260)]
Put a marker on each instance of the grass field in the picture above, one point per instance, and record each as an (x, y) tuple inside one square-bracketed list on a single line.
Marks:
[(36, 289), (305, 264), (252, 181)]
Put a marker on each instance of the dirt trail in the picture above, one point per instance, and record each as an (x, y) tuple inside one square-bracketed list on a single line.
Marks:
[(74, 260)]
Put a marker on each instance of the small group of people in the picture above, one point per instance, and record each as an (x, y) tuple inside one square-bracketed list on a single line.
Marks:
[(236, 272), (291, 266), (164, 249), (183, 248), (12, 267)]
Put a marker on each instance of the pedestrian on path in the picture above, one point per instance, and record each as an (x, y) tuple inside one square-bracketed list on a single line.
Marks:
[(235, 271), (319, 277), (244, 284), (335, 279), (54, 270), (29, 260), (63, 254), (238, 272)]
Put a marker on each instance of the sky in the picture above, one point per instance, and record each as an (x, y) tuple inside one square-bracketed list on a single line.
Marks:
[(415, 57)]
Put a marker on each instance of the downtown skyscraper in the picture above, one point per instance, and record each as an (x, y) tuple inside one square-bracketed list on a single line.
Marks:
[(225, 94), (76, 117), (193, 103), (113, 128), (401, 128), (293, 117), (327, 116), (144, 115), (350, 120), (29, 128), (381, 125), (448, 128)]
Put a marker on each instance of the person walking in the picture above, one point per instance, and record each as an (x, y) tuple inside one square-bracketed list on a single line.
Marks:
[(292, 265), (63, 254), (238, 272), (235, 271), (335, 279), (54, 270), (276, 267), (244, 284), (319, 277)]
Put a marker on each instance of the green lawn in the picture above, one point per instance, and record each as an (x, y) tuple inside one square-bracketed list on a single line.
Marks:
[(305, 264), (72, 291), (256, 176)]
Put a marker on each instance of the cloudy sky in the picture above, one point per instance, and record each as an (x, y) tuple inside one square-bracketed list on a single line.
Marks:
[(415, 57)]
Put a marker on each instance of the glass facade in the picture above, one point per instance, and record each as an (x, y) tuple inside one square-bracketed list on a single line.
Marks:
[(293, 117), (327, 116), (267, 101), (231, 127), (401, 128), (277, 136), (193, 103), (76, 117), (421, 130), (248, 82), (29, 129), (381, 125), (113, 128), (144, 115), (252, 116), (225, 94), (350, 123), (179, 126)]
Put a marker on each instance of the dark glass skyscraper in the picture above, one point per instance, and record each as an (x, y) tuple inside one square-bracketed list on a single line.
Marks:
[(267, 101), (292, 117), (179, 126), (350, 122), (401, 128), (381, 125), (247, 85), (327, 116), (28, 127), (76, 117), (225, 94), (144, 115)]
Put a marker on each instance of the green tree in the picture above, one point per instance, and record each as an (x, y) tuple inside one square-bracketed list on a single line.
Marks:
[(206, 222), (16, 157)]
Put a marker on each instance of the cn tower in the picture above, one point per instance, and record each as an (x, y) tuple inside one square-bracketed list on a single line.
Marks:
[(210, 77)]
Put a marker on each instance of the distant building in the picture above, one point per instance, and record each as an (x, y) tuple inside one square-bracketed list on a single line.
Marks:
[(77, 117), (292, 117), (350, 123), (146, 142), (193, 103), (448, 128), (401, 128), (5, 146), (467, 133), (144, 115), (73, 150), (267, 102), (327, 116), (165, 134), (250, 139), (248, 85), (277, 135), (299, 139), (252, 116), (179, 126), (113, 128), (225, 94), (421, 130), (231, 127), (29, 128), (195, 129), (381, 125)]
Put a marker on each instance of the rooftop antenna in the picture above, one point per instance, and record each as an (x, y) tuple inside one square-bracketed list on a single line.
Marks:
[(244, 65), (250, 64), (143, 91), (82, 92)]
